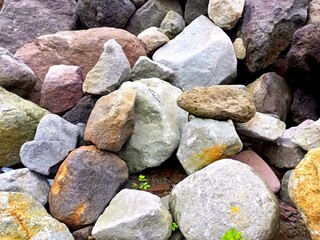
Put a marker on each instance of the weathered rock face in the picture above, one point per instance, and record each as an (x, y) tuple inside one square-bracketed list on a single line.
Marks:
[(151, 14), (108, 13), (204, 141), (210, 57), (226, 13), (25, 181), (152, 38), (267, 29), (83, 233), (215, 208), (304, 55), (158, 123), (284, 194), (19, 27), (303, 190), (77, 202), (22, 217), (15, 76), (194, 9), (134, 214), (271, 94), (18, 122), (172, 24), (112, 120), (239, 48), (218, 102), (62, 88), (81, 48), (314, 11)]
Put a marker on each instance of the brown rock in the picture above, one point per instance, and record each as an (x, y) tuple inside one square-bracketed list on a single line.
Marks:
[(112, 120), (153, 38), (83, 233), (81, 48), (86, 182), (218, 102), (62, 88)]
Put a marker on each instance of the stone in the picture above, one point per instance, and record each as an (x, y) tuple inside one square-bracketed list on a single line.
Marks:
[(76, 202), (151, 14), (201, 37), (271, 94), (152, 38), (139, 3), (19, 27), (284, 194), (25, 181), (204, 141), (223, 195), (112, 69), (22, 217), (15, 76), (146, 68), (81, 112), (239, 49), (81, 48), (225, 14), (218, 102), (83, 233), (158, 124), (303, 107), (134, 214), (303, 190), (308, 137), (18, 122), (267, 28), (262, 127), (111, 121), (172, 24), (314, 12), (252, 159), (105, 13), (62, 88), (194, 9)]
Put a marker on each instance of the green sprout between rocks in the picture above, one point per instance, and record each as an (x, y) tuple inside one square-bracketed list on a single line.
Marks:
[(143, 185), (174, 226), (232, 234)]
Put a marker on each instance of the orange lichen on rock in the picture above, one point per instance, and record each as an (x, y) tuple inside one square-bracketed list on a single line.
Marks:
[(75, 217), (58, 182)]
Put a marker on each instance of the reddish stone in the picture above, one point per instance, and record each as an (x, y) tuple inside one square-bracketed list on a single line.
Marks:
[(81, 48)]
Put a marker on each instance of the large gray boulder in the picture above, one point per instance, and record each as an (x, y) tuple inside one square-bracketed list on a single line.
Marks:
[(309, 137), (204, 141), (203, 50), (223, 195), (136, 215), (158, 123), (22, 21)]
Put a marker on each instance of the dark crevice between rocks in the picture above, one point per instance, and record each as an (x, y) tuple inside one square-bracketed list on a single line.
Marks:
[(1, 4)]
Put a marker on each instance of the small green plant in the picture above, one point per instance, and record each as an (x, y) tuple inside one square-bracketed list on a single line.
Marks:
[(142, 178), (143, 182), (233, 234), (174, 226)]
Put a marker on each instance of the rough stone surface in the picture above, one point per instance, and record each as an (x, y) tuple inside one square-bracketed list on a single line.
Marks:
[(26, 181), (75, 201), (158, 123), (267, 29), (22, 217), (252, 159), (314, 12), (218, 102), (83, 233), (81, 112), (134, 214), (262, 127), (239, 49), (18, 26), (112, 69), (146, 68), (203, 141), (15, 76), (210, 55), (18, 122), (81, 48), (226, 13), (139, 3), (303, 190), (304, 57), (215, 208), (151, 14), (194, 9), (271, 94), (152, 38), (284, 194), (309, 137), (112, 120), (62, 88), (108, 13), (172, 24)]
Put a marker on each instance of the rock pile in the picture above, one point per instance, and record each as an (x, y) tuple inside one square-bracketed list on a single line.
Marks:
[(92, 92)]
